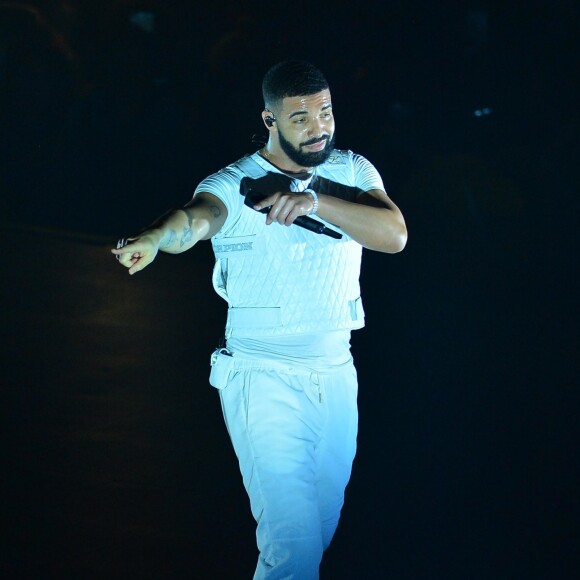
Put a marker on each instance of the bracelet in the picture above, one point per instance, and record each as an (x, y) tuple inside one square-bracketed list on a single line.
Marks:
[(314, 200)]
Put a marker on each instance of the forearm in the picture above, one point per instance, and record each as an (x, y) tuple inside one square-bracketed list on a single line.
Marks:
[(180, 229), (175, 232), (376, 228)]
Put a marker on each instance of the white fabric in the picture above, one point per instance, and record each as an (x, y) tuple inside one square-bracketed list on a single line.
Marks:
[(321, 351), (294, 432), (287, 384), (282, 280), (343, 167)]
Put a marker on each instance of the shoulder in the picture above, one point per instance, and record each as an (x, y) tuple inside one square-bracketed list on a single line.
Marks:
[(346, 162), (228, 178), (346, 158), (250, 165), (338, 157), (353, 169), (227, 185)]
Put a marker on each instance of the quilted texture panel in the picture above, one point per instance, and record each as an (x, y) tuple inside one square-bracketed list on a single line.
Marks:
[(312, 278)]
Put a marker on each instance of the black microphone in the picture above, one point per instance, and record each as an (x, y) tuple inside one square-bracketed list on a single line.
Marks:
[(253, 197)]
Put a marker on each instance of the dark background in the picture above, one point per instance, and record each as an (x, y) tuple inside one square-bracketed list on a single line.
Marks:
[(115, 455)]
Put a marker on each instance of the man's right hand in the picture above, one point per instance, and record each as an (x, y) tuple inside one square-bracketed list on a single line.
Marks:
[(174, 232), (136, 253)]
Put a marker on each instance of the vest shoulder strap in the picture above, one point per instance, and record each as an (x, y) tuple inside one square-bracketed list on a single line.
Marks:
[(250, 167)]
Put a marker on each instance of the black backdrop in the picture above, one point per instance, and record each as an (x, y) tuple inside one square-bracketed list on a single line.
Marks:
[(112, 111)]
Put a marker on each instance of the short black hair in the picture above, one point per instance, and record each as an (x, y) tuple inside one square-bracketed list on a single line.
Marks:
[(291, 78)]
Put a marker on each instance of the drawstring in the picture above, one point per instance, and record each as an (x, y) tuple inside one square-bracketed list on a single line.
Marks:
[(315, 379)]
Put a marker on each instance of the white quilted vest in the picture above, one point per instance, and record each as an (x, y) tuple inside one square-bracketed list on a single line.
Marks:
[(281, 280)]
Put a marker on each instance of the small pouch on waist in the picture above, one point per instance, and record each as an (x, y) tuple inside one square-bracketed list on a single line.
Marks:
[(222, 363)]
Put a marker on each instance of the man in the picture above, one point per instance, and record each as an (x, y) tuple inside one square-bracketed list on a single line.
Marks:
[(285, 375)]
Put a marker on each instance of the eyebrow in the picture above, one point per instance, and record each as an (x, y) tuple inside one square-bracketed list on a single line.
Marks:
[(295, 113)]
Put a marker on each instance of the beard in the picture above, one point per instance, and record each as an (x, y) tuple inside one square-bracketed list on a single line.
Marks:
[(308, 158)]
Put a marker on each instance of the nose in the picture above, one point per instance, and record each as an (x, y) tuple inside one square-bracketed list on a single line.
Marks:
[(317, 127)]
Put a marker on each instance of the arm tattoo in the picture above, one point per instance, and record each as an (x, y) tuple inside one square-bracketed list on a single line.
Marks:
[(186, 237), (215, 211), (169, 242), (212, 209)]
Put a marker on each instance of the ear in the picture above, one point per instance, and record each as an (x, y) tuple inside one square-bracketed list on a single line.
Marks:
[(269, 119)]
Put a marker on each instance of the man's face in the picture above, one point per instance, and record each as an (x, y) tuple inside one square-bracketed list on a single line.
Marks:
[(306, 128)]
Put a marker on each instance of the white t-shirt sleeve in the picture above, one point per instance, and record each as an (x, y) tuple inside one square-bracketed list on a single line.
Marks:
[(366, 176), (225, 185)]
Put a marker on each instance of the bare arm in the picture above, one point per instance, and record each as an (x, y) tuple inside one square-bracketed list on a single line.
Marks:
[(373, 220), (175, 232)]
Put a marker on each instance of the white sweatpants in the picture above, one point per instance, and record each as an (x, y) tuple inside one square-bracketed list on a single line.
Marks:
[(294, 433)]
